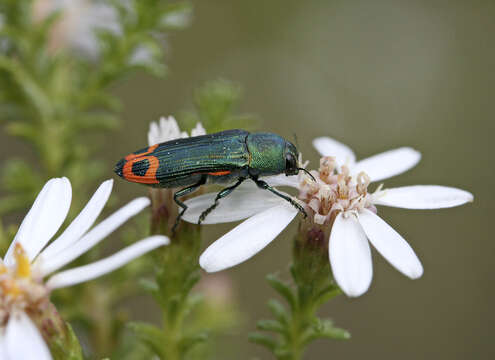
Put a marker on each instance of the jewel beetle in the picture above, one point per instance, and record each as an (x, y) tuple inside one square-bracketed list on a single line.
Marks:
[(226, 157)]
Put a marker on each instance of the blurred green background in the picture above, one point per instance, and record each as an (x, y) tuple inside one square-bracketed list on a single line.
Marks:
[(374, 75)]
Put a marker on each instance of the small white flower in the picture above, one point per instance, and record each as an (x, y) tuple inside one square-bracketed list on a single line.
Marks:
[(198, 130), (78, 23), (167, 129), (339, 199), (28, 262)]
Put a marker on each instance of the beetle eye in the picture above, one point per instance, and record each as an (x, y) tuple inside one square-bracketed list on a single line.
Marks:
[(290, 163)]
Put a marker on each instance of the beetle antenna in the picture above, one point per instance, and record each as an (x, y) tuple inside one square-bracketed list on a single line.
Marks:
[(307, 172)]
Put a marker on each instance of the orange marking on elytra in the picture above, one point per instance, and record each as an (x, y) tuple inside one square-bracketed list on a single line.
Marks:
[(135, 156), (149, 177), (219, 173)]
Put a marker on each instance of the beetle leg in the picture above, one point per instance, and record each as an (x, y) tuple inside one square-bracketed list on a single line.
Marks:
[(184, 192), (223, 193), (263, 185)]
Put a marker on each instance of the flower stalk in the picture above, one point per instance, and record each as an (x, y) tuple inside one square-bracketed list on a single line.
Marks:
[(176, 270), (297, 325), (176, 273), (57, 333)]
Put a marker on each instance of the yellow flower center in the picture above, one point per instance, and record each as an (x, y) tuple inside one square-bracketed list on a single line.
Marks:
[(23, 266), (18, 288)]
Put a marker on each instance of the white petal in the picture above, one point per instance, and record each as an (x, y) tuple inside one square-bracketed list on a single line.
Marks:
[(3, 348), (153, 134), (104, 266), (82, 222), (198, 130), (242, 203), (283, 180), (423, 197), (329, 147), (390, 244), (23, 340), (388, 163), (350, 256), (93, 237), (44, 219), (247, 239)]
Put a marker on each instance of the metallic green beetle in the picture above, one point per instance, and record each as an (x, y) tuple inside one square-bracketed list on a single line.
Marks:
[(223, 157)]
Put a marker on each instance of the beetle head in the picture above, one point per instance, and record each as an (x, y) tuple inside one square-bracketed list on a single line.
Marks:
[(291, 155), (292, 165)]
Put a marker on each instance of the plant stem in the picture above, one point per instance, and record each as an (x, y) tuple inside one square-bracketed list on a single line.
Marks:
[(177, 272), (312, 286)]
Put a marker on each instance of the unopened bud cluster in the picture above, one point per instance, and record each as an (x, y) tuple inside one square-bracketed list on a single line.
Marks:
[(334, 191)]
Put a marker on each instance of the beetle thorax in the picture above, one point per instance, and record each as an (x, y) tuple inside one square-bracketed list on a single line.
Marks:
[(266, 152)]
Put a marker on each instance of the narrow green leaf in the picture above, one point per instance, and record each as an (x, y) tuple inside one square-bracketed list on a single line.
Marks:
[(68, 347), (23, 130), (337, 333), (327, 294), (278, 310), (271, 325), (150, 286), (324, 328), (188, 342), (194, 300), (284, 353), (263, 339), (33, 92), (149, 335), (283, 289), (191, 280)]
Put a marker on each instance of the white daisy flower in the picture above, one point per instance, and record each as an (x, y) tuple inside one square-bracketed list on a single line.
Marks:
[(28, 261), (167, 129), (339, 200)]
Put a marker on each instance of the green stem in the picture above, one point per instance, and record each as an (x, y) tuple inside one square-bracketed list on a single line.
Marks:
[(312, 286), (177, 271), (302, 317), (173, 332), (295, 343)]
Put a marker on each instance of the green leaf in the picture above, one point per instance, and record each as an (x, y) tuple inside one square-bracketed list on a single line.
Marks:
[(151, 287), (283, 289), (67, 348), (150, 335), (271, 325), (193, 301), (324, 328), (191, 280), (26, 131), (263, 339), (284, 352), (327, 294), (27, 85), (188, 342), (278, 310)]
